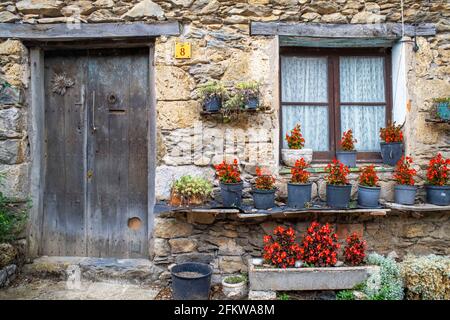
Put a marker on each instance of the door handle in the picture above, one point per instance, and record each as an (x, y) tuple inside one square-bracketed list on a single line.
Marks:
[(94, 128)]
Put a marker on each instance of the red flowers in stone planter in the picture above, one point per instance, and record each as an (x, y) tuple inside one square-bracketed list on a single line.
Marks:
[(264, 191), (354, 251), (405, 190), (438, 178), (230, 183), (338, 188), (281, 250), (319, 246)]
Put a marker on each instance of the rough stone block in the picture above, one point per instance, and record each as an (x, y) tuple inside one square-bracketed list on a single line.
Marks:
[(231, 264), (182, 245), (262, 295), (10, 151), (11, 123), (15, 184), (172, 228)]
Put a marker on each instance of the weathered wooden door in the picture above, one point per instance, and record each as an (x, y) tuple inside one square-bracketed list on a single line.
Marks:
[(96, 127)]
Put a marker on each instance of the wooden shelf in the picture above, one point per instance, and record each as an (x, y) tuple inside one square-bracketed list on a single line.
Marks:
[(208, 113), (424, 207)]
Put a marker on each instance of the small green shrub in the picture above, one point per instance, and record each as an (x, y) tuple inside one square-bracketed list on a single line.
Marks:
[(248, 89), (235, 279), (387, 284), (189, 187), (345, 295), (283, 296), (211, 89), (427, 277), (12, 219)]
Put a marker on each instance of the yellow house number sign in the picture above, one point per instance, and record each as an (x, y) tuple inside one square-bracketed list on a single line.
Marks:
[(182, 50)]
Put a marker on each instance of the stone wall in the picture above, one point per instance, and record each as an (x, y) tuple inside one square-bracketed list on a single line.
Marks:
[(227, 242), (189, 143)]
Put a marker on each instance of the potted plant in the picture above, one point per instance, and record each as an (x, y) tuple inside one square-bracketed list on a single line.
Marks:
[(212, 94), (296, 150), (338, 188), (189, 190), (442, 108), (230, 183), (264, 190), (299, 189), (232, 106), (438, 178), (235, 286), (250, 93), (404, 190), (368, 190), (392, 144), (348, 154), (191, 281)]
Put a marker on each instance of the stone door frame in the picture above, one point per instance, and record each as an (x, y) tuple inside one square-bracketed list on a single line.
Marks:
[(36, 129)]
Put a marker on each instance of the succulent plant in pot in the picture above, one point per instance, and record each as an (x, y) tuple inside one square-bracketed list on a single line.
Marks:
[(264, 190), (250, 92), (405, 190), (438, 181), (230, 183), (212, 95), (189, 190), (299, 189), (392, 144), (368, 189), (296, 144), (347, 155), (338, 188)]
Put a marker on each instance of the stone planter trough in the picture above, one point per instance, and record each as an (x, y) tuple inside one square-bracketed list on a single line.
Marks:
[(299, 279)]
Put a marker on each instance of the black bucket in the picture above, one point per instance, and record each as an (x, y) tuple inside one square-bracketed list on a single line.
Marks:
[(391, 152), (191, 281)]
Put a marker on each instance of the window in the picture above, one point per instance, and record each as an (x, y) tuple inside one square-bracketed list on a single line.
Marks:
[(329, 91)]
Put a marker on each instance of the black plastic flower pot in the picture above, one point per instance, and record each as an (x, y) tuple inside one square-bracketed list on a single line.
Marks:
[(405, 194), (191, 281), (391, 152), (231, 194), (438, 195), (213, 104), (338, 196), (299, 194), (264, 199), (252, 103), (368, 197), (347, 157)]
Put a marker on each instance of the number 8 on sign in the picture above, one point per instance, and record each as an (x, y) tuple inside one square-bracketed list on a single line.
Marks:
[(182, 50)]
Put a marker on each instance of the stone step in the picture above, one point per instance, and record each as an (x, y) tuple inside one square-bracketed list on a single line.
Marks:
[(132, 271)]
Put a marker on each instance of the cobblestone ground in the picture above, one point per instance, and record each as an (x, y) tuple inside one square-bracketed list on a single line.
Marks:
[(47, 289)]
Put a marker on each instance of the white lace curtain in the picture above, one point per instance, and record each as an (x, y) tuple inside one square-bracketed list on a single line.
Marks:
[(362, 80), (305, 79)]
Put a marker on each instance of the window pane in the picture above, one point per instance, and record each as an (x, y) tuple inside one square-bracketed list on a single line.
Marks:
[(304, 79), (362, 79), (314, 125), (365, 121)]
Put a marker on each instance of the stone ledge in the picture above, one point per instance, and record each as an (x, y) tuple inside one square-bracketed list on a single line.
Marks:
[(300, 279), (320, 168), (422, 207)]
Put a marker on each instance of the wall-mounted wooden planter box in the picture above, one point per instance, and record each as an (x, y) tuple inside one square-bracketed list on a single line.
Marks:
[(299, 279)]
